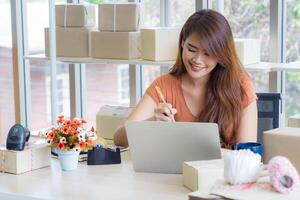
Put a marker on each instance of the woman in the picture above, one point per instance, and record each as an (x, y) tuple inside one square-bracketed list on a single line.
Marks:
[(206, 84)]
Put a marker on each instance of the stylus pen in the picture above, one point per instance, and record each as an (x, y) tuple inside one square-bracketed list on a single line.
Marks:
[(161, 96)]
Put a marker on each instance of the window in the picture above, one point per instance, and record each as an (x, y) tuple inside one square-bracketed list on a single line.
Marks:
[(7, 109), (151, 13), (150, 73), (123, 81), (103, 84), (40, 113), (293, 54), (250, 19), (180, 11)]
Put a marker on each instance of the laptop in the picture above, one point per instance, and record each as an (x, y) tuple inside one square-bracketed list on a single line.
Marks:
[(162, 147)]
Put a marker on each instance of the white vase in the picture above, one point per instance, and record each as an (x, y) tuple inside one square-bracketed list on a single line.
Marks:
[(68, 159)]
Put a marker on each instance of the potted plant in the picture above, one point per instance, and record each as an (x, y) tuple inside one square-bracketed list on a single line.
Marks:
[(70, 137)]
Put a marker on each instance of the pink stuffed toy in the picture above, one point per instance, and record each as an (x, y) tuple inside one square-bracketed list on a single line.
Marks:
[(283, 175)]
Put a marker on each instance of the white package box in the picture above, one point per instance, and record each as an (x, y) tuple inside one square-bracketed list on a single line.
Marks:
[(119, 17), (201, 175), (282, 142), (160, 43), (34, 156), (248, 50), (75, 15), (294, 121), (109, 118)]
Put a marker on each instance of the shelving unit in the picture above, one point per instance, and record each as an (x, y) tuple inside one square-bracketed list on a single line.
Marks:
[(262, 66), (89, 60)]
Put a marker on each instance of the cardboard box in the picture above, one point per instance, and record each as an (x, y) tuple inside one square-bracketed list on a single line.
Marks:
[(75, 15), (109, 118), (115, 45), (119, 17), (159, 44), (201, 175), (294, 121), (283, 142), (70, 42), (248, 50), (35, 155)]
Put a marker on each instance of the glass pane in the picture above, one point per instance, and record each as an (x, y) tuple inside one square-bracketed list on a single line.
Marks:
[(150, 73), (37, 19), (41, 90), (293, 31), (105, 84), (7, 109), (40, 114), (250, 19), (151, 13), (293, 54), (180, 11)]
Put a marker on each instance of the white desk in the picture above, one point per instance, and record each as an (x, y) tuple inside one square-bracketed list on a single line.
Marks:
[(92, 182)]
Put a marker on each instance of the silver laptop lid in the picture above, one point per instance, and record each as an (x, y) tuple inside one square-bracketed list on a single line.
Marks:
[(162, 147)]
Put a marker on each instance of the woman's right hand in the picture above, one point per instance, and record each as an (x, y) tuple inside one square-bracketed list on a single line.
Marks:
[(164, 112)]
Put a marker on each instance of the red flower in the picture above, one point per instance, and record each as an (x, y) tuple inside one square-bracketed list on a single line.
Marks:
[(81, 144), (93, 130), (60, 145)]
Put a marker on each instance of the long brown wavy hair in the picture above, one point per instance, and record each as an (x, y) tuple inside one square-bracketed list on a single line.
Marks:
[(224, 92)]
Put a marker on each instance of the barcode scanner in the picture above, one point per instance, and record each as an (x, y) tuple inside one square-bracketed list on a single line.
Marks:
[(17, 137)]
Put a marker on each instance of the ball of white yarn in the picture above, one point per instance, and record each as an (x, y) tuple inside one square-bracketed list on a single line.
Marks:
[(241, 166)]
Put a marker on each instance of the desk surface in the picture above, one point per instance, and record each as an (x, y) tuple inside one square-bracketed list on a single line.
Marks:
[(92, 182)]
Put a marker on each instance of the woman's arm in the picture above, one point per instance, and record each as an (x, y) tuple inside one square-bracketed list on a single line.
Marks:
[(143, 111), (247, 131)]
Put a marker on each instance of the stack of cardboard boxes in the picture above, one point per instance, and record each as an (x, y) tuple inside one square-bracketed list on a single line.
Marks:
[(118, 36), (74, 22)]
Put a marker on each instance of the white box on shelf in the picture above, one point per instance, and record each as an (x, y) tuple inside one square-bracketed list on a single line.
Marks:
[(115, 45), (119, 17), (248, 50), (109, 118), (282, 142), (160, 43), (75, 15), (37, 154), (70, 42)]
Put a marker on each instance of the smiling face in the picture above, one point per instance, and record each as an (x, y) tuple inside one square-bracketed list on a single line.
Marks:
[(197, 61)]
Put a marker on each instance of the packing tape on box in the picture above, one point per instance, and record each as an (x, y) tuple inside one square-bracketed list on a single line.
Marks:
[(115, 17), (66, 13)]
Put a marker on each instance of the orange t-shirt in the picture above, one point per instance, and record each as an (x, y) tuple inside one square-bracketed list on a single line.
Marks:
[(172, 91)]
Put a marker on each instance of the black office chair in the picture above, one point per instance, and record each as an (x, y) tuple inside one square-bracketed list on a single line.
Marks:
[(268, 106)]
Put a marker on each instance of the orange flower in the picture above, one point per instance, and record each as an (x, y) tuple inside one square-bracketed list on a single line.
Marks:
[(76, 122), (60, 145), (67, 123), (64, 129), (90, 142), (60, 119), (50, 135)]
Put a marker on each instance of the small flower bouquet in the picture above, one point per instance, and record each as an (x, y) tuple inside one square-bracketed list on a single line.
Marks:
[(71, 134)]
